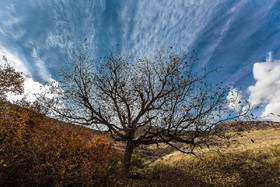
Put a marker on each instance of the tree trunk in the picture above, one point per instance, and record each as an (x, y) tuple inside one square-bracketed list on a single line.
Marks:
[(127, 157)]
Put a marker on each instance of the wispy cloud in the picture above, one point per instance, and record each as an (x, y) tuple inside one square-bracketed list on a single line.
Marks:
[(225, 33), (174, 23), (17, 62), (266, 90), (41, 67)]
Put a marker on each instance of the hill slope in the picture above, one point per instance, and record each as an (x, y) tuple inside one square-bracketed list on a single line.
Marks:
[(252, 159), (36, 150)]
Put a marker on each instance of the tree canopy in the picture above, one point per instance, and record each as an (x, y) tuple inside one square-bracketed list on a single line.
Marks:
[(10, 79), (157, 99)]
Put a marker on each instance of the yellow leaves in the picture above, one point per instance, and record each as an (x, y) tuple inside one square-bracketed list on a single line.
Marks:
[(122, 132), (1, 163)]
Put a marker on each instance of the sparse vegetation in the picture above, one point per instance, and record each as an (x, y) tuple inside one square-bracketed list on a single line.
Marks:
[(244, 163)]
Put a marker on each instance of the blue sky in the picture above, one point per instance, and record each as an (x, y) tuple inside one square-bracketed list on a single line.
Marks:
[(235, 36)]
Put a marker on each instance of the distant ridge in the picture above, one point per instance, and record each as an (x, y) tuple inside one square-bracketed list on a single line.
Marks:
[(239, 126)]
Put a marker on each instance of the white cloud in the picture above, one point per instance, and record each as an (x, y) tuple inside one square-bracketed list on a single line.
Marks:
[(237, 102), (234, 99), (31, 87), (19, 63), (41, 66), (9, 22), (157, 23), (44, 94), (58, 39), (266, 90), (14, 60)]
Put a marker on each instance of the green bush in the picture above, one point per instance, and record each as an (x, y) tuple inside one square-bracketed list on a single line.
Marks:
[(136, 160)]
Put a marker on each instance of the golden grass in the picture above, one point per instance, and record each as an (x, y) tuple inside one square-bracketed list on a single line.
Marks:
[(244, 163)]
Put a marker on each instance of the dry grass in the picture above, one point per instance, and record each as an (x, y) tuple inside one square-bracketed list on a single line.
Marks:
[(244, 163)]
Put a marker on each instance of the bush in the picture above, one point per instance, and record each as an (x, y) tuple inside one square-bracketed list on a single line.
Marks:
[(136, 160), (37, 150)]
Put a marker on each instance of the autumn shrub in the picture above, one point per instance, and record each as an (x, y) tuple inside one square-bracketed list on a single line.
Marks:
[(37, 150)]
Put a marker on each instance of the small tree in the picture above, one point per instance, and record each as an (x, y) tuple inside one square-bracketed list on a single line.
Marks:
[(143, 101), (10, 79)]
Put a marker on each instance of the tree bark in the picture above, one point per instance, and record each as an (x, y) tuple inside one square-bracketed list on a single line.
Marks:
[(127, 158)]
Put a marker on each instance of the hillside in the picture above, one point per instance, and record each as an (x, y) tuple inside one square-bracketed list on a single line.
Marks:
[(251, 159), (38, 150)]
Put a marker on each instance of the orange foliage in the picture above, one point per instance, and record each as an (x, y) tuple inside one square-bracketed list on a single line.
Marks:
[(37, 150)]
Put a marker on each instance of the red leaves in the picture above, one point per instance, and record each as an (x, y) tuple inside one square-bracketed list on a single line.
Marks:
[(38, 150)]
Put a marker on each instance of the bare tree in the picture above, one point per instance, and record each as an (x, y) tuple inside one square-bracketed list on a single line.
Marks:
[(143, 101)]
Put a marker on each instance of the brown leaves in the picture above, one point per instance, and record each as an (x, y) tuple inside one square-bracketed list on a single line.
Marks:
[(51, 152)]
